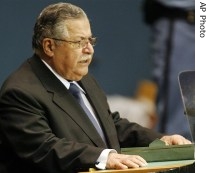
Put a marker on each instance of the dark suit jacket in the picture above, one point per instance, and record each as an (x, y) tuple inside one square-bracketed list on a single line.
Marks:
[(44, 130)]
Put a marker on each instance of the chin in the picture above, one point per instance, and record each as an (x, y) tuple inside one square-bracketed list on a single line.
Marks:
[(84, 72), (80, 76)]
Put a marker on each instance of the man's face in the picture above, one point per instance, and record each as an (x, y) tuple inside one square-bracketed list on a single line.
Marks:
[(69, 61)]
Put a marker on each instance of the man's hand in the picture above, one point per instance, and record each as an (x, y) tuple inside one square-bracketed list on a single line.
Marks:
[(175, 140), (122, 161)]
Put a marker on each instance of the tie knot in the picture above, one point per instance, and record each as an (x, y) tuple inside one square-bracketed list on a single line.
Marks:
[(74, 89)]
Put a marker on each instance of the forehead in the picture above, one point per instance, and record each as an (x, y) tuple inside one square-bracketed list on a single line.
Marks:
[(79, 27)]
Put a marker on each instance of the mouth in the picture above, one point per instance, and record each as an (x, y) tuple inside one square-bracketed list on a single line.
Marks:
[(85, 60)]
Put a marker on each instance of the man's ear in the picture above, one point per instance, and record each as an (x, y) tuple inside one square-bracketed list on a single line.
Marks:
[(48, 45)]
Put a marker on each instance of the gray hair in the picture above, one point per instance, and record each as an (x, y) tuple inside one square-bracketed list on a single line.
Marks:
[(51, 22)]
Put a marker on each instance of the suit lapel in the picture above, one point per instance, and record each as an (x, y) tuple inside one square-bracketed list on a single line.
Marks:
[(65, 100), (101, 109), (68, 103)]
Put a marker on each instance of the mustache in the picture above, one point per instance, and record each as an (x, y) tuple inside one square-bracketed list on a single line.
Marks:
[(86, 57)]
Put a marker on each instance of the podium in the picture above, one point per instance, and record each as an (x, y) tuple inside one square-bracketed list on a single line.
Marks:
[(160, 158), (151, 168)]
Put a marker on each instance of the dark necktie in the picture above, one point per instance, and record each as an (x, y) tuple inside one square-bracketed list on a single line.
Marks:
[(76, 92)]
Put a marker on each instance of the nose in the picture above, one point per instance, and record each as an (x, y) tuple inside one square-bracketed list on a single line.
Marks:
[(88, 48)]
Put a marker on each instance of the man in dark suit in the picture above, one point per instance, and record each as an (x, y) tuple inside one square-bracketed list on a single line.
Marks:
[(43, 127)]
